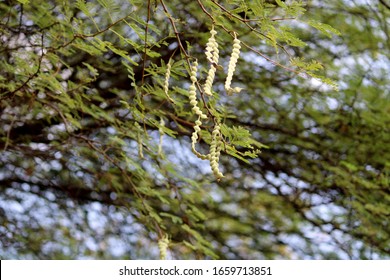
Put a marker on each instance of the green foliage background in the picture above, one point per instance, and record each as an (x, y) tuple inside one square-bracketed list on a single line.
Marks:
[(81, 104)]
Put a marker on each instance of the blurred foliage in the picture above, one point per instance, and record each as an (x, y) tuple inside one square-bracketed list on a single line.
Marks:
[(96, 161)]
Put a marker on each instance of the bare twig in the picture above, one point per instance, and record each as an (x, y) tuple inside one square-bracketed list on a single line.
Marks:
[(246, 22), (183, 50), (146, 45), (383, 2), (51, 50), (9, 133), (36, 72), (262, 55), (205, 11)]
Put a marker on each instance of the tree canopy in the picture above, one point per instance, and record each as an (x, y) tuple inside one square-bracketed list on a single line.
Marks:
[(220, 129)]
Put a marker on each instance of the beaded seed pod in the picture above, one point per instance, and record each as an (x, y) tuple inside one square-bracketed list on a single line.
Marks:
[(212, 54), (166, 81), (192, 92), (163, 244), (232, 67), (194, 140), (215, 150), (139, 140), (161, 131), (196, 110)]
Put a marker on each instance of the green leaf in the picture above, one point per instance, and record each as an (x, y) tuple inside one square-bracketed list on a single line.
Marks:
[(351, 167), (94, 71), (175, 219), (92, 50), (281, 4), (86, 8), (196, 212), (326, 29)]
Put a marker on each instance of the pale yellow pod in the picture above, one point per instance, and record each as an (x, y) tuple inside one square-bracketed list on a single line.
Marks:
[(163, 244), (232, 67), (212, 54), (166, 81), (192, 92), (215, 149)]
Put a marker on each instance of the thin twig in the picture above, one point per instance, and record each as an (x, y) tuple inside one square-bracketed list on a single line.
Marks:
[(9, 133), (246, 22), (205, 11), (36, 72), (176, 33), (83, 36), (279, 19), (52, 50), (183, 50), (262, 55), (128, 178), (21, 16), (271, 60), (146, 45)]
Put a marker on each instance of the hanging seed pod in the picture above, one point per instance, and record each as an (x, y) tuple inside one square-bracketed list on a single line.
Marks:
[(139, 140), (212, 54), (192, 92), (166, 81), (163, 244), (194, 140), (232, 67), (161, 131), (196, 110), (215, 150)]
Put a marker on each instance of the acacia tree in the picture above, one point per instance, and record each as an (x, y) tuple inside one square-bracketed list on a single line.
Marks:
[(214, 129)]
